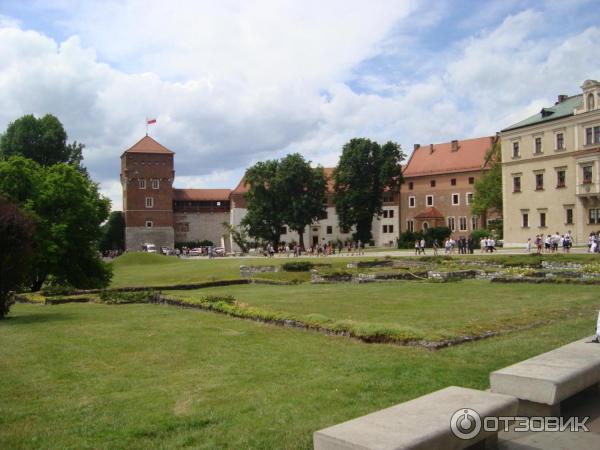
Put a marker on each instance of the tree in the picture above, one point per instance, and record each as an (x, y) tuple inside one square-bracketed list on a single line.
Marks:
[(488, 189), (113, 232), (365, 171), (265, 202), (68, 211), (238, 234), (16, 237), (42, 140), (304, 188)]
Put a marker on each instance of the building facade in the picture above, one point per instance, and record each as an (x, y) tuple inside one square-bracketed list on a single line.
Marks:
[(550, 170), (439, 183)]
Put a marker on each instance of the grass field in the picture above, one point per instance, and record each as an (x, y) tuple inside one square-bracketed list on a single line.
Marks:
[(431, 310), (148, 376)]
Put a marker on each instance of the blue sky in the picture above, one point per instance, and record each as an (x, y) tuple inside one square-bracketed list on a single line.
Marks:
[(233, 82)]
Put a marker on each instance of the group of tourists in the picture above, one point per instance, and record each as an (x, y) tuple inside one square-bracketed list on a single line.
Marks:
[(551, 243), (463, 245), (355, 248)]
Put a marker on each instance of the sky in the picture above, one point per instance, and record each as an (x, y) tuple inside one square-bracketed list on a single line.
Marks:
[(231, 82)]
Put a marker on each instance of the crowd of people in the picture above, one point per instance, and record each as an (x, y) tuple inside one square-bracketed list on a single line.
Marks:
[(463, 245), (551, 243), (356, 248)]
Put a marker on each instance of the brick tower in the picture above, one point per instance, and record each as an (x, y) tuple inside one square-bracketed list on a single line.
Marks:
[(147, 174)]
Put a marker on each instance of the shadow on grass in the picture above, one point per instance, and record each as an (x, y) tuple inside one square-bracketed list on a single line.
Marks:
[(28, 319)]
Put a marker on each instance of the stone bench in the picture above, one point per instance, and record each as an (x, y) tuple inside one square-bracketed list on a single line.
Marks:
[(541, 383), (422, 423)]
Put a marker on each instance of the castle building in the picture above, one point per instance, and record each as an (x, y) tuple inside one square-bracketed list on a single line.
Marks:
[(551, 170), (439, 182)]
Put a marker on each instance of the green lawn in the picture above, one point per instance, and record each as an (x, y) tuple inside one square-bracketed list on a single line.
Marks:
[(149, 376), (431, 310)]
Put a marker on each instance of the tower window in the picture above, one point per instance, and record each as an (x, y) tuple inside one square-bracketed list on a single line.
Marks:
[(149, 224), (149, 202), (155, 183), (142, 182)]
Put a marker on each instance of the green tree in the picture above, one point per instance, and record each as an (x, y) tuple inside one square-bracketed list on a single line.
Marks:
[(43, 140), (238, 234), (68, 211), (265, 202), (304, 189), (365, 171), (488, 188), (16, 238), (113, 232)]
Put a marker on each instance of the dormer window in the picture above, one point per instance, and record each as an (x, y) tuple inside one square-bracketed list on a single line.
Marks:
[(590, 102)]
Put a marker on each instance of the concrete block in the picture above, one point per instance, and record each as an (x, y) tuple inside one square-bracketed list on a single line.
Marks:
[(551, 377), (419, 424)]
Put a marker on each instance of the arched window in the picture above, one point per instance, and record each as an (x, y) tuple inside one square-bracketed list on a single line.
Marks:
[(425, 226), (590, 102)]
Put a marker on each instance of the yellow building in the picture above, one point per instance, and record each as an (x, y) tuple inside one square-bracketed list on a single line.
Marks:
[(551, 170)]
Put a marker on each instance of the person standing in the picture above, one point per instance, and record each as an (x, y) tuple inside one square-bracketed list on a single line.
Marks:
[(435, 246), (422, 245)]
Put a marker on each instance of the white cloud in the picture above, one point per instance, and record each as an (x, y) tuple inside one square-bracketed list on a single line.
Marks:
[(232, 83)]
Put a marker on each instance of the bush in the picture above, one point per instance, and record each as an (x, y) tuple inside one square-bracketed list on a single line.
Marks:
[(297, 266), (120, 298), (58, 289), (228, 299), (408, 238)]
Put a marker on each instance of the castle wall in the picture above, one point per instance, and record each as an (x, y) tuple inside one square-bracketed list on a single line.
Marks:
[(201, 226), (135, 237)]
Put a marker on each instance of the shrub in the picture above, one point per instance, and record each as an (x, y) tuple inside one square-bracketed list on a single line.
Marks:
[(227, 299), (58, 289), (297, 266), (120, 298)]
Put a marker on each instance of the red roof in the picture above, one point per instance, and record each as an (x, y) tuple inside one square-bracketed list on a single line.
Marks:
[(440, 158), (201, 194), (242, 187), (430, 213), (148, 145)]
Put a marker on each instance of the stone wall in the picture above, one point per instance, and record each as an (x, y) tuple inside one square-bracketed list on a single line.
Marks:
[(248, 271), (201, 226), (135, 237)]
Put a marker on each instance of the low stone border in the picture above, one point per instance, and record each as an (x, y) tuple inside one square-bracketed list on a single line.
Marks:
[(552, 280)]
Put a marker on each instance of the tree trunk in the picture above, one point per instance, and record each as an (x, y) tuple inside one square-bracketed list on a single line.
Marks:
[(301, 237)]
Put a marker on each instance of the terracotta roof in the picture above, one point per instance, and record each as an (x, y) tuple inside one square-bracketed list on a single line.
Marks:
[(469, 156), (201, 194), (148, 145), (430, 213), (242, 187)]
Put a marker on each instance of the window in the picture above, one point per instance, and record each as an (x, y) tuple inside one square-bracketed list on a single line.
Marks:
[(329, 229), (462, 223), (411, 201), (469, 198), (542, 220), (391, 213), (474, 222), (432, 183), (590, 102), (391, 228), (452, 181), (569, 216), (425, 226), (538, 145), (385, 228), (594, 216), (539, 181), (142, 182), (155, 183), (592, 135), (388, 213), (283, 230), (471, 180), (451, 224), (587, 174), (388, 198), (516, 184), (560, 178), (149, 202), (149, 224), (516, 152), (560, 141), (410, 185), (429, 200), (410, 226), (455, 199), (525, 220), (385, 213)]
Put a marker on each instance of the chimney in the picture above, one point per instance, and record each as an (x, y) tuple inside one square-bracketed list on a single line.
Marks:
[(455, 146), (561, 98), (416, 146), (430, 148)]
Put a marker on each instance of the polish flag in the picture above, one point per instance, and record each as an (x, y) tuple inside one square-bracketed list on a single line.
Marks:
[(150, 121)]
